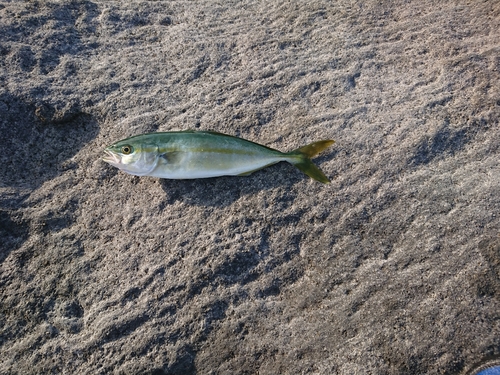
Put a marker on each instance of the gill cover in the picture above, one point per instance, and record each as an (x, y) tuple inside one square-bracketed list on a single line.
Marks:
[(136, 159)]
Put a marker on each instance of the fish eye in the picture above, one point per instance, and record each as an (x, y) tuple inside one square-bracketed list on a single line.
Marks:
[(127, 149)]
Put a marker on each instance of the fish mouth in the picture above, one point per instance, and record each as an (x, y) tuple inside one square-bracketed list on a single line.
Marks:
[(111, 158)]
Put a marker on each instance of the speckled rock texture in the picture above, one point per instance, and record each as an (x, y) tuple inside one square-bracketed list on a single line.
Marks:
[(393, 268)]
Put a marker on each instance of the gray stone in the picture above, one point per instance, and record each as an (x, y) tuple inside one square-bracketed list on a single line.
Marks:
[(393, 268)]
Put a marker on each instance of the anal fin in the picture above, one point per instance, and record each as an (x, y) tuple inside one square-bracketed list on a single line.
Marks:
[(247, 173), (258, 169)]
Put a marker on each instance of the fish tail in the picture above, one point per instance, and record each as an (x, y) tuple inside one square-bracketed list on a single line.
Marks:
[(301, 158)]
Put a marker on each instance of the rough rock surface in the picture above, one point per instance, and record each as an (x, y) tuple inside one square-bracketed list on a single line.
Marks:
[(393, 268)]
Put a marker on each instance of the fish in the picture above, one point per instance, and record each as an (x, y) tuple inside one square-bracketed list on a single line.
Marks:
[(191, 154)]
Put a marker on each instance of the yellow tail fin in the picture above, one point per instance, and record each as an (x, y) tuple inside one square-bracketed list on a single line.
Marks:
[(302, 159)]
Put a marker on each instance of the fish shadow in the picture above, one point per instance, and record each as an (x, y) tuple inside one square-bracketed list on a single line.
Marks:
[(225, 190)]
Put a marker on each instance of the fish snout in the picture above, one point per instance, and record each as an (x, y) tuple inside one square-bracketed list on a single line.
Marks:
[(111, 157)]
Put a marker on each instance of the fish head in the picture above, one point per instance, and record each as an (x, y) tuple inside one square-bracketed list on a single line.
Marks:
[(133, 157)]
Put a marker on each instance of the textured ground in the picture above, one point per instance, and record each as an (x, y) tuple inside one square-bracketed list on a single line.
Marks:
[(393, 268)]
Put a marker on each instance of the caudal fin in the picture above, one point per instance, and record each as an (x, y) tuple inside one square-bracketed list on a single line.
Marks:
[(302, 159)]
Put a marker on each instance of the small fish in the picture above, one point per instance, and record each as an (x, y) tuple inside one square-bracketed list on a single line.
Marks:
[(200, 154)]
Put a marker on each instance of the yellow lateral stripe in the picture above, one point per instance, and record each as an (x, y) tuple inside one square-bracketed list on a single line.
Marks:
[(200, 150)]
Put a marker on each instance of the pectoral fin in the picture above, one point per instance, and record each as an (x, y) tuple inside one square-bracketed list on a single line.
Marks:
[(170, 157)]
